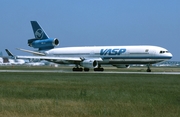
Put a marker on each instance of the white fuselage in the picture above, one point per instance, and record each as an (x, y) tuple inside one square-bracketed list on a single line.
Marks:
[(114, 54)]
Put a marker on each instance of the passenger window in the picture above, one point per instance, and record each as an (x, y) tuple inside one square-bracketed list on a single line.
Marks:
[(146, 50)]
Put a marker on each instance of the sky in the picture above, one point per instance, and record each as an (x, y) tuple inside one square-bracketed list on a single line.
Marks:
[(92, 23)]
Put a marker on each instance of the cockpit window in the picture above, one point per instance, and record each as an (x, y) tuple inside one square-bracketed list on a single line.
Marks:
[(161, 52)]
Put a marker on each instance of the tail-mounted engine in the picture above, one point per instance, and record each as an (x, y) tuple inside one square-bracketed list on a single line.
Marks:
[(43, 44)]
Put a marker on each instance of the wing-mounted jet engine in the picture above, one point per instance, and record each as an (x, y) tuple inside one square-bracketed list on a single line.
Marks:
[(41, 40), (89, 64)]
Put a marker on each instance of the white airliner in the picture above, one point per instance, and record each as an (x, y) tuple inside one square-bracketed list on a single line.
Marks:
[(93, 57)]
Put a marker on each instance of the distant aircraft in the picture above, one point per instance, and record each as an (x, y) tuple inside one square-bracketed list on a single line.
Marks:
[(1, 61), (13, 60), (35, 64), (93, 57), (16, 61)]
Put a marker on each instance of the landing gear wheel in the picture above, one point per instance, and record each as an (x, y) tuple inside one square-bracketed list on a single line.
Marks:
[(98, 69), (86, 69), (77, 69), (148, 70)]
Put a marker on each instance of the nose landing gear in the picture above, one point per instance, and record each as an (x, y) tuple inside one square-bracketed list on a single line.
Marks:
[(148, 68)]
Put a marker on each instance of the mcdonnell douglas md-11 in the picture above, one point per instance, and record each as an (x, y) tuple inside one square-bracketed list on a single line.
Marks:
[(92, 57)]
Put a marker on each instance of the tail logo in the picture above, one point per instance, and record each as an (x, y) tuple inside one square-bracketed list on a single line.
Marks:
[(39, 34)]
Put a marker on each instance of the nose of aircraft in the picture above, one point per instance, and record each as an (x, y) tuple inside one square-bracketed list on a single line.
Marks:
[(170, 55)]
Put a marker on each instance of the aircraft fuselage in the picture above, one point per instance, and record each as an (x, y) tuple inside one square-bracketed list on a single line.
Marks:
[(114, 54)]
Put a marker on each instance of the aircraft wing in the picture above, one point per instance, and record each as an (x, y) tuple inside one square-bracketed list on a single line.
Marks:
[(50, 58), (42, 56), (56, 58)]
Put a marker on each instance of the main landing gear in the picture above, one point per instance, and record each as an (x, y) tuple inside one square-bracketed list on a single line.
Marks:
[(77, 68), (148, 68), (99, 68), (87, 69)]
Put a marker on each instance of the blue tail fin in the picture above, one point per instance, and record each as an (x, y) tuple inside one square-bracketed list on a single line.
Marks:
[(39, 33), (41, 40)]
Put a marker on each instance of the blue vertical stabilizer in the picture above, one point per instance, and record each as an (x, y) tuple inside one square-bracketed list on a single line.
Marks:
[(41, 40), (39, 33)]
